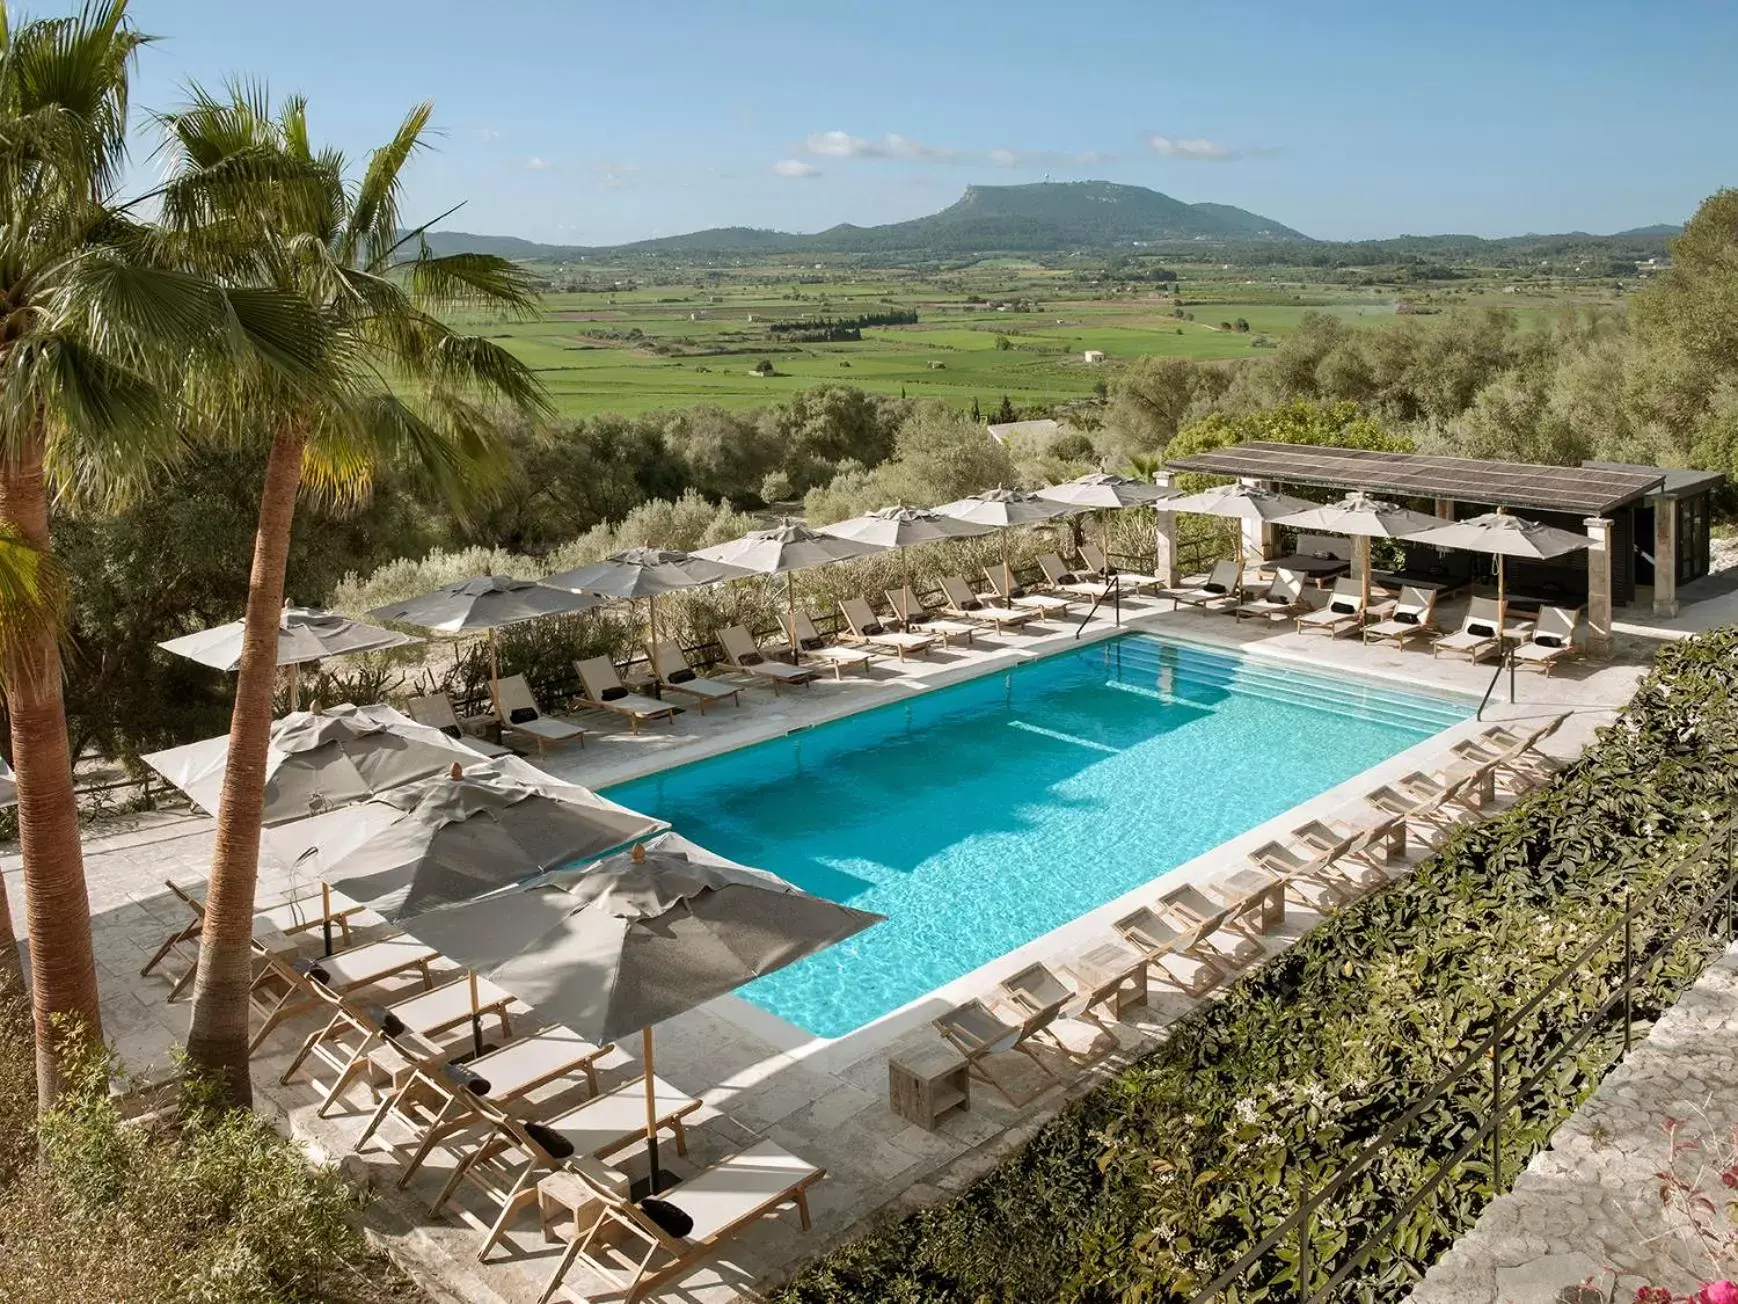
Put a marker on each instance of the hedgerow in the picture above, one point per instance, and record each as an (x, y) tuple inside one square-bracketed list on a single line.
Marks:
[(1154, 1183)]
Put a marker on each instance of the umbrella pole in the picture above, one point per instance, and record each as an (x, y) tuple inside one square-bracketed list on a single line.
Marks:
[(652, 620), (651, 1106), (905, 583), (1502, 601), (1007, 571), (295, 686), (1364, 569), (476, 1017), (791, 611)]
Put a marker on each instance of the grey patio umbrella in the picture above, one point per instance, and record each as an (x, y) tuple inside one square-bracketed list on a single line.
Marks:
[(1504, 536), (903, 527), (1102, 492), (483, 605), (1003, 509), (319, 761), (645, 573), (1239, 502), (304, 634), (637, 938), (1364, 518), (786, 550)]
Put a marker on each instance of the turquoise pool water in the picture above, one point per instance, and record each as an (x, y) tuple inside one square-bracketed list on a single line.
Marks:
[(980, 816)]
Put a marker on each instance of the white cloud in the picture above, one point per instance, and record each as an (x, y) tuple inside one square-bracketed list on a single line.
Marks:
[(1194, 148), (1004, 158), (535, 164), (841, 144), (793, 167)]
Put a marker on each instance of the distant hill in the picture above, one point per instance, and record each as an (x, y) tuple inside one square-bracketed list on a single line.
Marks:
[(1658, 228)]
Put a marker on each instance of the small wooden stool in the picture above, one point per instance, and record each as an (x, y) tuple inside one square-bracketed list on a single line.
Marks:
[(565, 1192)]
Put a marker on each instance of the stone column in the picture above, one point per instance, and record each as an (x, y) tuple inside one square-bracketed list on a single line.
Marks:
[(1165, 540), (1445, 509), (1260, 539), (1665, 556), (1598, 583)]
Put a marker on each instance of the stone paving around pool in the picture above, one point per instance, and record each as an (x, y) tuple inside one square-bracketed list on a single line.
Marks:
[(825, 1101), (1587, 1208)]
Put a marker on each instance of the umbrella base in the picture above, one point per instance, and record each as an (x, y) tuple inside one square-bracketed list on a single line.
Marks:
[(641, 1187)]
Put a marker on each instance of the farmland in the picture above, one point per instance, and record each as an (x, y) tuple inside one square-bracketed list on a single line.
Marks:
[(632, 339)]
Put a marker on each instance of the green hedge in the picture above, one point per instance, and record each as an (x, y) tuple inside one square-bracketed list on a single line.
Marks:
[(1152, 1184)]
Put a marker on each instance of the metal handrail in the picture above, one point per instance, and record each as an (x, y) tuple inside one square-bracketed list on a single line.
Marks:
[(1115, 595), (1490, 1048), (1505, 657)]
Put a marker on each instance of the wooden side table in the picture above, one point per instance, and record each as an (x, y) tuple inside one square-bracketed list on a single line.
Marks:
[(926, 1083), (1113, 976)]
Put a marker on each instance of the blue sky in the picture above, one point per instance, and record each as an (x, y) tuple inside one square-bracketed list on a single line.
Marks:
[(592, 123)]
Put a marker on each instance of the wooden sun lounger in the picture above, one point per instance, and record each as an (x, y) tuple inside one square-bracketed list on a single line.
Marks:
[(1413, 616), (1158, 941), (1313, 879), (297, 915), (964, 604), (1284, 597), (1095, 561), (1188, 906), (1110, 977), (674, 675), (1345, 611), (434, 1097), (1477, 636), (1552, 640), (1038, 995), (603, 688), (810, 644), (519, 713), (282, 990), (1223, 587), (436, 711), (914, 617), (742, 653), (978, 1033), (507, 1164), (729, 1196), (865, 628), (1063, 580), (1044, 604)]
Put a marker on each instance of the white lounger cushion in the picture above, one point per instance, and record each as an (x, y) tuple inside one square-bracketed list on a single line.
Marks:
[(608, 1122), (376, 960), (447, 1005), (737, 1187)]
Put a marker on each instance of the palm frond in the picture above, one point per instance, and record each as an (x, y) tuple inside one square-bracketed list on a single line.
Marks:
[(472, 280), (32, 586), (373, 227)]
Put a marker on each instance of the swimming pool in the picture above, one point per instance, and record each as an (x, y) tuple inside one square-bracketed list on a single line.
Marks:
[(980, 816)]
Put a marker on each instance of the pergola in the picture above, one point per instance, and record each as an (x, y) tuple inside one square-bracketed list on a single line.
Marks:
[(1601, 497)]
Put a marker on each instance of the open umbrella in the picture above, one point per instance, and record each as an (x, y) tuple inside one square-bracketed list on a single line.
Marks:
[(1104, 491), (1364, 518), (1504, 536), (644, 573), (784, 551), (903, 527), (1003, 509), (484, 604), (319, 761), (629, 941), (1239, 502), (304, 634)]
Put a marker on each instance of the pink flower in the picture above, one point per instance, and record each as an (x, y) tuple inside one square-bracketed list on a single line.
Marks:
[(1718, 1292)]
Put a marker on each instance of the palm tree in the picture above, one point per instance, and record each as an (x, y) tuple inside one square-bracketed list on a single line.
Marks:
[(407, 390), (97, 331)]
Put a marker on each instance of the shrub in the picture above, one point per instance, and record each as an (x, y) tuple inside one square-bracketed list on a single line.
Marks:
[(1151, 1184)]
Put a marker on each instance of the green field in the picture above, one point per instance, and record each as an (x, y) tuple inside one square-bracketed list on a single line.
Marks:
[(1002, 327)]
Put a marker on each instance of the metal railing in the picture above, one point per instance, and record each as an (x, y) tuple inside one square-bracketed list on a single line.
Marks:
[(1114, 593), (1506, 658), (1503, 1099)]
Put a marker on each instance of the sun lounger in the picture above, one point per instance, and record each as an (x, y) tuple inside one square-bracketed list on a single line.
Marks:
[(1045, 604), (810, 644), (1038, 995), (1160, 943), (1063, 580), (1466, 785), (1413, 616), (1112, 977), (1552, 640), (1477, 636), (434, 1096), (519, 713), (1255, 898), (1223, 587), (733, 1194), (1312, 878), (963, 604), (1095, 561), (282, 990), (1363, 855), (436, 711), (978, 1033), (1523, 748), (1234, 940), (914, 617), (1344, 612), (322, 908), (741, 652), (603, 688), (1284, 597), (506, 1165), (674, 675), (865, 628)]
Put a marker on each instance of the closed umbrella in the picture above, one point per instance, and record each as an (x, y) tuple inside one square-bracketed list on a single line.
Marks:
[(1504, 536), (637, 938), (1003, 509), (645, 573), (1364, 518), (903, 527), (319, 761), (1239, 502), (784, 551), (483, 605), (304, 634)]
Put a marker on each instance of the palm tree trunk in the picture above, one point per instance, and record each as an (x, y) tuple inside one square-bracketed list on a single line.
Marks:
[(63, 971), (217, 1040)]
